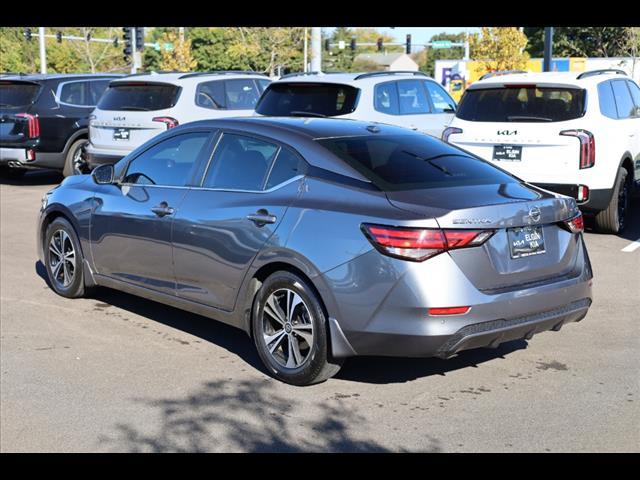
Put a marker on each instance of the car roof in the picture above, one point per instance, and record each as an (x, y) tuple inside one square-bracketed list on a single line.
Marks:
[(38, 77), (547, 78), (350, 78), (180, 78)]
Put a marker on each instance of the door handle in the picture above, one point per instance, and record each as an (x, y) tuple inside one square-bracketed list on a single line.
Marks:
[(262, 217), (163, 209)]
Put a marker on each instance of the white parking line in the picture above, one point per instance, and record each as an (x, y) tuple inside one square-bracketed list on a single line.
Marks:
[(632, 246)]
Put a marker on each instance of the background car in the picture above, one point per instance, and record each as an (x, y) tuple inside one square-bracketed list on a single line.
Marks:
[(407, 99), (323, 239), (139, 107), (576, 134), (43, 120)]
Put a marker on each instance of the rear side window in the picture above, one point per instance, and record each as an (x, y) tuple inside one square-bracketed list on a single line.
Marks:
[(171, 162), (385, 98), (606, 100), (624, 103), (522, 104), (75, 93), (408, 162), (17, 94), (139, 96), (412, 97), (298, 98), (288, 165), (240, 163)]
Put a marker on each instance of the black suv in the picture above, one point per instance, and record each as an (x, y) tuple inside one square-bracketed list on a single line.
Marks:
[(44, 120)]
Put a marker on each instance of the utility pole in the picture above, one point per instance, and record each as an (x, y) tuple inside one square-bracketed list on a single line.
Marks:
[(548, 48), (305, 68), (43, 52), (133, 50), (316, 49), (466, 48)]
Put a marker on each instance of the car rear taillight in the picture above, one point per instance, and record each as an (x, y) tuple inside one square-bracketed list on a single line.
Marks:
[(168, 121), (574, 224), (418, 244), (450, 131), (33, 124), (587, 146), (583, 193)]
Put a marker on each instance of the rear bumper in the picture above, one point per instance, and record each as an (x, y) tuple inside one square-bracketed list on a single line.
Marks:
[(14, 157), (598, 199), (96, 157)]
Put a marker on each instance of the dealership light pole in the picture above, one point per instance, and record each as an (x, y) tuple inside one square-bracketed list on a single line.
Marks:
[(548, 48), (316, 49)]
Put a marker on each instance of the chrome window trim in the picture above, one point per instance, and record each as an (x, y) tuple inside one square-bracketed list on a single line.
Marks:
[(77, 105), (272, 189)]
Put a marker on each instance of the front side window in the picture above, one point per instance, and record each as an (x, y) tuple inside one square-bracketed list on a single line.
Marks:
[(171, 162), (522, 103), (606, 100), (412, 97), (386, 98), (624, 103), (75, 93), (409, 162), (441, 100), (240, 163)]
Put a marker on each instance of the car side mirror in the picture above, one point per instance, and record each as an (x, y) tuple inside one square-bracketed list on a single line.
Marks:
[(103, 175)]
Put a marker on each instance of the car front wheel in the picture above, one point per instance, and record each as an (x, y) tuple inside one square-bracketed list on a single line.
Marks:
[(63, 258), (290, 331)]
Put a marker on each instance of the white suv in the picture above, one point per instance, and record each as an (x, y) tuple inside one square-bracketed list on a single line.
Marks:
[(575, 134), (407, 99), (138, 107)]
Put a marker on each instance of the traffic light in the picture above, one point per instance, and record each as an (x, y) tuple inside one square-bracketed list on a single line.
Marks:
[(127, 35), (27, 34), (59, 37), (327, 45), (379, 42), (139, 38), (115, 42), (408, 43), (353, 43), (89, 37)]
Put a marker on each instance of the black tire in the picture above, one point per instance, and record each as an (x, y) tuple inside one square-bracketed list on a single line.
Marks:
[(317, 366), (12, 173), (613, 218), (76, 287), (71, 164)]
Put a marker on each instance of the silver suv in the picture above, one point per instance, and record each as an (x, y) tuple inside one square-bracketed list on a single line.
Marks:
[(136, 108), (407, 99)]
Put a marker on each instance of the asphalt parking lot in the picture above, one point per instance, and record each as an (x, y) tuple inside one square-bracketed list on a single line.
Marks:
[(119, 373)]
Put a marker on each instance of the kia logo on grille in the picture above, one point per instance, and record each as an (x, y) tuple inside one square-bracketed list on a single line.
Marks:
[(534, 214), (507, 132)]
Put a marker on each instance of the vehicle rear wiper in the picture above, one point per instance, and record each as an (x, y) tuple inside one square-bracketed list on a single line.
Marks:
[(300, 113), (137, 109), (512, 118), (431, 162)]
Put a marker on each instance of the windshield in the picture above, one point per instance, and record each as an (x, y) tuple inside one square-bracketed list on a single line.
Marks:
[(17, 94), (522, 103), (413, 161), (307, 99), (139, 96)]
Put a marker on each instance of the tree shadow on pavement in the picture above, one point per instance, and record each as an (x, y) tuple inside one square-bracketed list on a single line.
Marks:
[(249, 416)]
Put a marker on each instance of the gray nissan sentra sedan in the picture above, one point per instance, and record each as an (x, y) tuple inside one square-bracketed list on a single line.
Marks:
[(323, 239)]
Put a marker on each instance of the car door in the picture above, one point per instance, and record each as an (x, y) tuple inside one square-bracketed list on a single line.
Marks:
[(221, 226), (131, 221), (443, 108)]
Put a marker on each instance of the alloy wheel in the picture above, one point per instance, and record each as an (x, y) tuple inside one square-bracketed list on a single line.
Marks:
[(62, 258), (287, 328)]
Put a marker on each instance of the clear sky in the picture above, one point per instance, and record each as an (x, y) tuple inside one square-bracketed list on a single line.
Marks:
[(418, 34)]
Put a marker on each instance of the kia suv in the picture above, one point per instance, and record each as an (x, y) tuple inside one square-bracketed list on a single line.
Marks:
[(575, 134), (139, 107)]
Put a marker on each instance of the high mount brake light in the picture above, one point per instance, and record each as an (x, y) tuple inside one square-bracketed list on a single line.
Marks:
[(587, 146), (419, 244), (170, 122), (450, 131), (574, 224), (33, 124)]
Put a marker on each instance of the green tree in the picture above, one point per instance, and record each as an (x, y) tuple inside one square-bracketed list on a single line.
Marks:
[(579, 41), (179, 58)]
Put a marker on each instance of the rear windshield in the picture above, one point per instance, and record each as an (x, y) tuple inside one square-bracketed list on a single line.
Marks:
[(410, 162), (320, 99), (139, 96), (17, 94), (522, 104)]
